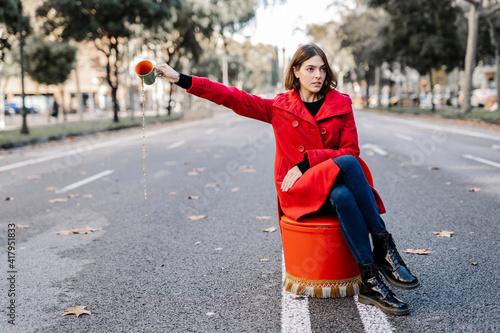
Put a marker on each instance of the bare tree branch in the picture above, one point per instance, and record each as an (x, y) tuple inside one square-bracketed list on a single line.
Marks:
[(474, 3), (491, 10)]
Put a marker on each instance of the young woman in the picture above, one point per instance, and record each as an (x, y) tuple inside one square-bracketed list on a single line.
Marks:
[(316, 163)]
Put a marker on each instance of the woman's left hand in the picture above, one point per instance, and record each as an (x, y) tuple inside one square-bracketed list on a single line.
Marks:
[(291, 177)]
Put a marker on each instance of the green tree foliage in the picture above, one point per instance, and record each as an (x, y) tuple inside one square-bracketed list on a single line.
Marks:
[(49, 62), (106, 22), (8, 26), (422, 34)]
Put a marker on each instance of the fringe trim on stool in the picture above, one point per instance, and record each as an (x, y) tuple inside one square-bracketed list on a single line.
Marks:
[(322, 288)]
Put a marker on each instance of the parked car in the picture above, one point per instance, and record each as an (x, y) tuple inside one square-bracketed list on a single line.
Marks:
[(12, 108)]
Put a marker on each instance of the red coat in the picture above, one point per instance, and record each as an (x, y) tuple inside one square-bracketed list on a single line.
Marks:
[(331, 133)]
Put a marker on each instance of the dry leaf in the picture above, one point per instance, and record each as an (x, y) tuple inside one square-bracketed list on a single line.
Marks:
[(443, 233), (34, 177), (77, 311), (77, 231), (20, 226), (474, 189), (473, 263), (272, 229), (193, 197), (419, 251), (212, 185), (434, 168), (235, 189), (51, 188), (172, 193), (244, 168), (8, 198), (196, 217), (171, 163), (186, 163), (72, 196), (263, 217), (192, 173), (83, 173), (58, 200), (199, 169), (264, 259), (87, 196)]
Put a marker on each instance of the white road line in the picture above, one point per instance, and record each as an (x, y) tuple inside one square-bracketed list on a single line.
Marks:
[(482, 160), (375, 149), (176, 144), (404, 136), (294, 310), (92, 146), (374, 320), (442, 128), (85, 181)]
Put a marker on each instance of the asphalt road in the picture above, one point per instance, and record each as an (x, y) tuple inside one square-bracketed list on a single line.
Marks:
[(151, 269)]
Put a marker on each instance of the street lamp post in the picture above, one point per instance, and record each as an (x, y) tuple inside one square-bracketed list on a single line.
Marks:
[(24, 127)]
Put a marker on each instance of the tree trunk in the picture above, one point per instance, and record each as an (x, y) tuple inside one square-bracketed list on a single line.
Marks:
[(497, 56), (377, 83), (470, 55), (431, 86), (24, 127)]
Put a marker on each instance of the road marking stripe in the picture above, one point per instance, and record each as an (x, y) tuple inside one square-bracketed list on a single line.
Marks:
[(404, 136), (441, 128), (374, 320), (482, 160), (294, 310), (107, 143), (85, 181), (176, 144), (375, 149)]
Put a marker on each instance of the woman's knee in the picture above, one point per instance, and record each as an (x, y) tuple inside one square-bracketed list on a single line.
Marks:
[(347, 162)]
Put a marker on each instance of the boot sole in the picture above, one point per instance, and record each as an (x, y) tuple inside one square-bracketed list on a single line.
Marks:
[(399, 285), (368, 301)]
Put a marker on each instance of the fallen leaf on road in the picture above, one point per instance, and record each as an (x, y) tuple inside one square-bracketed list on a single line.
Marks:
[(447, 183), (172, 193), (419, 251), (192, 173), (8, 199), (170, 163), (20, 226), (186, 163), (263, 217), (443, 233), (34, 177), (212, 185), (434, 168), (51, 188), (235, 189), (77, 231), (192, 197), (244, 168), (58, 200), (72, 196), (196, 217), (199, 169), (272, 229), (264, 259), (87, 196), (473, 263), (77, 311), (474, 189)]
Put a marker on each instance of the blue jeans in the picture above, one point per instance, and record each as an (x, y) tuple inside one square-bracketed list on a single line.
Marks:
[(353, 200)]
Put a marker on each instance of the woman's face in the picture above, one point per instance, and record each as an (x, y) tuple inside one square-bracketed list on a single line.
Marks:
[(311, 75)]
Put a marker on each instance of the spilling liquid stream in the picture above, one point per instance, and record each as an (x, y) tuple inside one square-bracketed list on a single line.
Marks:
[(144, 142)]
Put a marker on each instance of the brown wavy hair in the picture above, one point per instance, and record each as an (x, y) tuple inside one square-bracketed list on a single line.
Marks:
[(304, 53)]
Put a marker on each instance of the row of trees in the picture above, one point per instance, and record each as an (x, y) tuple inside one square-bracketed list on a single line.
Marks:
[(424, 35), (174, 30)]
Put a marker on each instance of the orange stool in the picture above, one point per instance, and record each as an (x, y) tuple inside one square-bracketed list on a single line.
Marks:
[(318, 262)]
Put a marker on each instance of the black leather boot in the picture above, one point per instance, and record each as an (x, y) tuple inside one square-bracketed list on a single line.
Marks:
[(390, 263), (373, 291)]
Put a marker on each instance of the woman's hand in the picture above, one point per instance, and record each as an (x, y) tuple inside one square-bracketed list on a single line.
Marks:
[(167, 72), (291, 177)]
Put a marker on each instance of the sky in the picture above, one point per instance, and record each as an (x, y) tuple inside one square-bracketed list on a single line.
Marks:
[(284, 25)]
